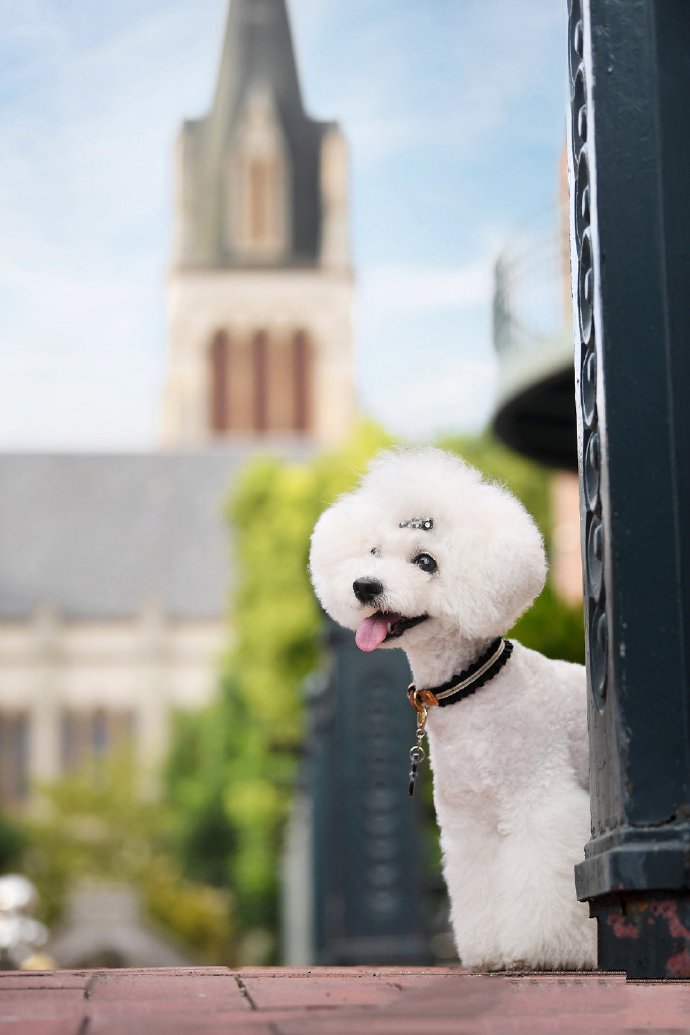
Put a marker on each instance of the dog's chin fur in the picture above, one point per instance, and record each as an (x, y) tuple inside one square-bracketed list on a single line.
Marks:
[(510, 762), (436, 650)]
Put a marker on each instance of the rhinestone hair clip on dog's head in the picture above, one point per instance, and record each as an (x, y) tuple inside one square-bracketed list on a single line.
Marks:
[(425, 524)]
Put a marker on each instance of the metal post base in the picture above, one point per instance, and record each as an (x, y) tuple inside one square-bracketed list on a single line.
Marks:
[(645, 934)]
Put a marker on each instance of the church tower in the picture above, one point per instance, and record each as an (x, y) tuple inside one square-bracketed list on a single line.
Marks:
[(260, 292)]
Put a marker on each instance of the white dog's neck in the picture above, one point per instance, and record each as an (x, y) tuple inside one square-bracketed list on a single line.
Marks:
[(449, 658)]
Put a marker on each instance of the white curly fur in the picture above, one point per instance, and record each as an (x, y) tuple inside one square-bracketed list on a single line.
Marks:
[(510, 762)]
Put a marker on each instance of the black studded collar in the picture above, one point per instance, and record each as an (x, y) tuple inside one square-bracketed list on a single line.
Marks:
[(465, 683)]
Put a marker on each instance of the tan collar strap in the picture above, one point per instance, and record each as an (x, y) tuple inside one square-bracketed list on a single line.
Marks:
[(463, 685)]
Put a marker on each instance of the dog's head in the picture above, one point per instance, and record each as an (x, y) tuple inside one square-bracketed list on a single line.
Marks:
[(425, 548)]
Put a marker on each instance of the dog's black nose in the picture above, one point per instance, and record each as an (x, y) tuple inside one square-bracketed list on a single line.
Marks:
[(366, 590)]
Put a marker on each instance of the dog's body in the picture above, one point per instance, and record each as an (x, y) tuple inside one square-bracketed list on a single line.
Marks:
[(426, 556)]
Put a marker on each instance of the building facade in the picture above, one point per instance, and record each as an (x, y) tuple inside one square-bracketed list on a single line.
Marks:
[(115, 575), (115, 570)]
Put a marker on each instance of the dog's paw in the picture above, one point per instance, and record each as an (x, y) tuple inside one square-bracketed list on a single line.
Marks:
[(495, 966)]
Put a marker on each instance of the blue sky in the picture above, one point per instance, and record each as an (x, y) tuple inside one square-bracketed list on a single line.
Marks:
[(454, 110)]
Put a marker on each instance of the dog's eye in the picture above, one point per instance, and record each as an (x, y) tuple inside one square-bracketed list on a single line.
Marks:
[(375, 551), (426, 562)]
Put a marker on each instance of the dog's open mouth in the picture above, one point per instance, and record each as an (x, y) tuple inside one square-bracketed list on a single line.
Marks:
[(383, 626)]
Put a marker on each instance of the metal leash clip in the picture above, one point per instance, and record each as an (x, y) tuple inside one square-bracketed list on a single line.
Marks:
[(420, 700)]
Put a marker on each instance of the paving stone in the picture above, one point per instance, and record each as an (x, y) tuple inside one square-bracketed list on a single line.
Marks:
[(41, 1003), (218, 985), (40, 1026), (44, 978), (195, 1003), (350, 973), (305, 993), (283, 988), (162, 971), (378, 1025), (221, 1024)]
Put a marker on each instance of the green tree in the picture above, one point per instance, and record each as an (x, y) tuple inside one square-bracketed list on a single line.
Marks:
[(12, 843), (232, 769), (95, 824)]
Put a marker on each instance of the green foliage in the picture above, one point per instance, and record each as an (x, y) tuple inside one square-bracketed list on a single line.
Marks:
[(198, 915), (12, 843), (197, 776), (95, 824), (232, 771), (553, 627)]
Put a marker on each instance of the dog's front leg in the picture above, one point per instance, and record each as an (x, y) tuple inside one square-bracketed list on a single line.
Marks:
[(471, 845), (542, 923)]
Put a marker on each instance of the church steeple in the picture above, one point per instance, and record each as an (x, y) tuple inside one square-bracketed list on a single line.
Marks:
[(250, 171), (260, 286), (257, 50)]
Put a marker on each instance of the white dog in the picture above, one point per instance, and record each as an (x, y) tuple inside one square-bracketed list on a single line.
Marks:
[(426, 556)]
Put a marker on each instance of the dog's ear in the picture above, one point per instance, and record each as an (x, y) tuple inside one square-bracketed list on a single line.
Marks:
[(505, 567), (340, 537), (324, 552), (520, 553)]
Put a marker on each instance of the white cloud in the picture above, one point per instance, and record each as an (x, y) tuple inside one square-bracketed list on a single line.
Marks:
[(467, 78), (81, 362), (451, 397), (85, 209), (426, 361), (405, 289), (508, 58)]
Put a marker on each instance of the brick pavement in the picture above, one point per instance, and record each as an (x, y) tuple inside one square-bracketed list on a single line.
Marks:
[(341, 1001)]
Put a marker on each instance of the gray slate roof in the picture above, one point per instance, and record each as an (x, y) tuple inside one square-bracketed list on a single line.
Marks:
[(101, 535)]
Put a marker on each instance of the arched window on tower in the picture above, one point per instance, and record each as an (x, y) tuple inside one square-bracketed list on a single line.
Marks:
[(264, 206), (258, 224), (219, 382), (260, 356), (260, 383), (282, 364), (302, 376), (262, 191)]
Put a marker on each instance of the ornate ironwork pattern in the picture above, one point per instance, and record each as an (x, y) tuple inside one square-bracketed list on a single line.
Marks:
[(371, 897), (379, 813), (591, 428)]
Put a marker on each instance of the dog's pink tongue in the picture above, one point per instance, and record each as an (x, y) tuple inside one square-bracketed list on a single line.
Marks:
[(372, 632)]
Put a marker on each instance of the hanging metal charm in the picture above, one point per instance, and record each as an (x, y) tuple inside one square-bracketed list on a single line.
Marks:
[(417, 752)]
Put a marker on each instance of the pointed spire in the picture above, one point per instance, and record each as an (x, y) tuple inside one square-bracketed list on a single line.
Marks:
[(258, 82), (257, 50)]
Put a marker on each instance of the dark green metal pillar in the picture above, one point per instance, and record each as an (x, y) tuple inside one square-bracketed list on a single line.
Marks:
[(372, 902), (630, 223)]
